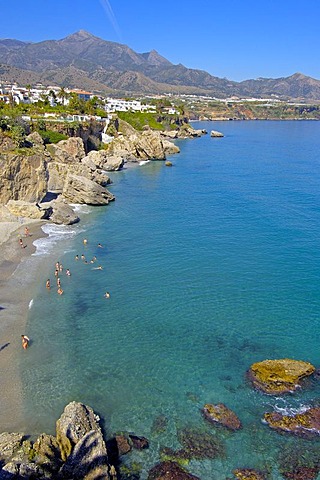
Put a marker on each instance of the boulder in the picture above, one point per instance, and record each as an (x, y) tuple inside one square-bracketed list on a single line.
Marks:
[(75, 422), (35, 141), (62, 212), (123, 445), (279, 376), (222, 415), (135, 147), (305, 424), (58, 173), (79, 189), (170, 148), (23, 177), (216, 134), (169, 471), (67, 151), (102, 160)]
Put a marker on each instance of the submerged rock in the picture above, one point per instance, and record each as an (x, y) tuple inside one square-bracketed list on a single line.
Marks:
[(159, 424), (170, 471), (200, 444), (279, 376), (303, 424), (139, 443), (220, 414), (296, 463)]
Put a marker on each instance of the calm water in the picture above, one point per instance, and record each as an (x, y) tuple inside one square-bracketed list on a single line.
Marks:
[(212, 265)]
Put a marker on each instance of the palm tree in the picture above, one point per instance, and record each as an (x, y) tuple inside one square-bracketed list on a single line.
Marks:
[(63, 95)]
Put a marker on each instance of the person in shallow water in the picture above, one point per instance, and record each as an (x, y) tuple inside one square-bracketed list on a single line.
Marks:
[(48, 286), (25, 341)]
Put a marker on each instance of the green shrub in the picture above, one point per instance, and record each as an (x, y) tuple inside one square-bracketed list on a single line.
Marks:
[(138, 120), (49, 136)]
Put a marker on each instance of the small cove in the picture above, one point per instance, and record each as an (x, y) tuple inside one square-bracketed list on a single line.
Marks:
[(212, 265)]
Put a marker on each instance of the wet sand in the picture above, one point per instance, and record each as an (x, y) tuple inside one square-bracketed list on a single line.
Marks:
[(14, 303)]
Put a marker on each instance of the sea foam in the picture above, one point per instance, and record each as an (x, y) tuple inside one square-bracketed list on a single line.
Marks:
[(55, 233)]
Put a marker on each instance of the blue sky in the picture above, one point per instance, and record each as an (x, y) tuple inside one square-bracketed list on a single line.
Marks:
[(237, 39)]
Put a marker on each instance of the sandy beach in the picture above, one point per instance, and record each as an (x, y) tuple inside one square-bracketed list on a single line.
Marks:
[(14, 301)]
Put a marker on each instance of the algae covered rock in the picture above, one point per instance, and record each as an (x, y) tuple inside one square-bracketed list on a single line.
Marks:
[(170, 471), (220, 414), (248, 474), (305, 424), (279, 376)]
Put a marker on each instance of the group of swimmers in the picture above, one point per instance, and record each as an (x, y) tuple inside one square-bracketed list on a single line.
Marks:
[(58, 270), (93, 260)]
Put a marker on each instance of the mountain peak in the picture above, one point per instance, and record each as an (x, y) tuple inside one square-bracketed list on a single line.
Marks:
[(155, 59), (80, 35)]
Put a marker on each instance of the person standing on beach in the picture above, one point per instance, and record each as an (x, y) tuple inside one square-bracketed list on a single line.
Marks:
[(25, 341), (21, 243), (26, 232)]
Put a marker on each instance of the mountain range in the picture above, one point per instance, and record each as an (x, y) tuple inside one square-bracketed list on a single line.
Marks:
[(85, 61)]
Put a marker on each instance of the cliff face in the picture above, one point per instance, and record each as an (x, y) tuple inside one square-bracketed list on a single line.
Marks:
[(23, 177)]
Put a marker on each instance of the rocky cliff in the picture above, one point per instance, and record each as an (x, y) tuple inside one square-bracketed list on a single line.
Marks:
[(66, 169)]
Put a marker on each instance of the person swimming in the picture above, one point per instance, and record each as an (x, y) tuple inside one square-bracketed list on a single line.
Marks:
[(107, 295), (60, 291), (98, 268)]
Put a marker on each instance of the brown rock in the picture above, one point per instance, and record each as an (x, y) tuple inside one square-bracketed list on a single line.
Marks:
[(279, 376), (220, 414), (139, 443), (304, 424), (123, 444), (170, 471)]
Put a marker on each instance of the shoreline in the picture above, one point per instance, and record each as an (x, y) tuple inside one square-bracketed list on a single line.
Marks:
[(14, 308)]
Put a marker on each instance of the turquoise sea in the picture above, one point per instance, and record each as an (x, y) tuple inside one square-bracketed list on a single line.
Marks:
[(211, 265)]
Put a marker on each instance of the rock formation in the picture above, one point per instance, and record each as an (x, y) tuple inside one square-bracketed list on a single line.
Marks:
[(279, 376), (222, 415), (216, 134), (305, 424)]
